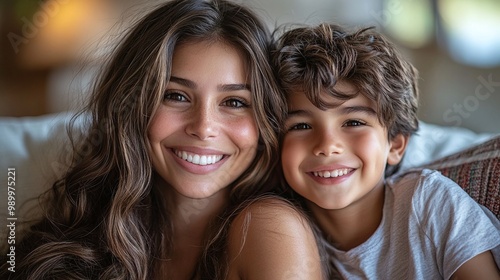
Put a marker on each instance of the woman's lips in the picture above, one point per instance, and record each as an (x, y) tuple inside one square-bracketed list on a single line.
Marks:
[(198, 159)]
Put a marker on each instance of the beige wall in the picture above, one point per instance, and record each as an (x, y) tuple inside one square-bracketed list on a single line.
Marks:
[(451, 93)]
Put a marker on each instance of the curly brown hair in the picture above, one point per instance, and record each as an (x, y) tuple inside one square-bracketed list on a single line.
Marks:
[(313, 59)]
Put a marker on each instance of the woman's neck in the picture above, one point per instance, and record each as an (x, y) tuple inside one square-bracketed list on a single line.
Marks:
[(191, 219)]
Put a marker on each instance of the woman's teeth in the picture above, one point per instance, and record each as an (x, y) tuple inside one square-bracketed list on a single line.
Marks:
[(198, 159), (332, 174)]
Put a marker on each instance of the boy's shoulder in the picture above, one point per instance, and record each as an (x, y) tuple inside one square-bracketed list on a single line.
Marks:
[(428, 191), (424, 186), (418, 177), (414, 173)]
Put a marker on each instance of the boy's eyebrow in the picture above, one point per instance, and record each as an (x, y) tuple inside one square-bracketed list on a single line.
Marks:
[(362, 109), (293, 113), (343, 110), (224, 87)]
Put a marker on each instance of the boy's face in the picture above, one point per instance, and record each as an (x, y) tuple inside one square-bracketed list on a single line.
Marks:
[(336, 157)]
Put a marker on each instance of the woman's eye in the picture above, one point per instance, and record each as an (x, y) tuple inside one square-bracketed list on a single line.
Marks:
[(174, 96), (300, 126), (354, 123), (235, 103)]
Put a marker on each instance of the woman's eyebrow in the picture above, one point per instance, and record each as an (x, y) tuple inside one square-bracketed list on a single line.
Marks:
[(184, 82), (224, 87), (233, 87)]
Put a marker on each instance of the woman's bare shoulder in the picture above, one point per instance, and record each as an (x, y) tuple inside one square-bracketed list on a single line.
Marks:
[(272, 239), (271, 207)]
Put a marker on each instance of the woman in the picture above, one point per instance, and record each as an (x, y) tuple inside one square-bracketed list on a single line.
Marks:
[(183, 126)]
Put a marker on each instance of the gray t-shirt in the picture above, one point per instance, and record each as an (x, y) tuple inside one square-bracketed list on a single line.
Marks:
[(430, 227)]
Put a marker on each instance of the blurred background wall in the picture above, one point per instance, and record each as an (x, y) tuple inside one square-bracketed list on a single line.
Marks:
[(49, 50)]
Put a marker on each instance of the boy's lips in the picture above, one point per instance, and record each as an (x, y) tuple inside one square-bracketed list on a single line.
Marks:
[(332, 173)]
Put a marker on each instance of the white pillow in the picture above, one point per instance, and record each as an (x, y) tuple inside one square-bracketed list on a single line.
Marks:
[(37, 148), (432, 142)]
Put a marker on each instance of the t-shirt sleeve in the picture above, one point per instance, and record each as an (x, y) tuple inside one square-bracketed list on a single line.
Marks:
[(455, 224)]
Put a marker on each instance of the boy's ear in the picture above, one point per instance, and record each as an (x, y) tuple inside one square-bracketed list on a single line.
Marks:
[(397, 149)]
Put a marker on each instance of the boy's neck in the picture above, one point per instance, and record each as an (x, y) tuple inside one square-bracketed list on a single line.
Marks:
[(349, 227)]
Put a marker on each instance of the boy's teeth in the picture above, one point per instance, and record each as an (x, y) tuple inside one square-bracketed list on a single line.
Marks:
[(198, 159), (331, 174)]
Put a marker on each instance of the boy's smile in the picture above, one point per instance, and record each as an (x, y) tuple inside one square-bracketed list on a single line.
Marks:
[(336, 157)]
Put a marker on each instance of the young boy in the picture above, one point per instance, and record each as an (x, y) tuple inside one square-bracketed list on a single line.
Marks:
[(352, 104)]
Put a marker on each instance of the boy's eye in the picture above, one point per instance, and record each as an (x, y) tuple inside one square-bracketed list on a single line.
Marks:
[(300, 126), (235, 103), (174, 96), (354, 123)]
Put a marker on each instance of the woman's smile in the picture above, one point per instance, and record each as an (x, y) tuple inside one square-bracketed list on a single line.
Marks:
[(198, 159)]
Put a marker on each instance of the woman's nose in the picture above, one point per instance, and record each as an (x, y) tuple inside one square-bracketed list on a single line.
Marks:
[(202, 123)]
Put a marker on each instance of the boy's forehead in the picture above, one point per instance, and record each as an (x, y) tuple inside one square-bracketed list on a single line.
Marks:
[(299, 97), (346, 87)]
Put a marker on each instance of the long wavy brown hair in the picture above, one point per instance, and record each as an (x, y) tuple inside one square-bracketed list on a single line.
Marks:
[(106, 219)]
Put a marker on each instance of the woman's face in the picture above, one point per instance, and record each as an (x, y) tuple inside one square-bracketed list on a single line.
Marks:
[(203, 135)]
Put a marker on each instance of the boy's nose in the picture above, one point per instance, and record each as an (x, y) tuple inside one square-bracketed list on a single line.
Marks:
[(327, 144)]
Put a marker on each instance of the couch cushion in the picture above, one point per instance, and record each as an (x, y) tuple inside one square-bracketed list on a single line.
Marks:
[(477, 171)]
